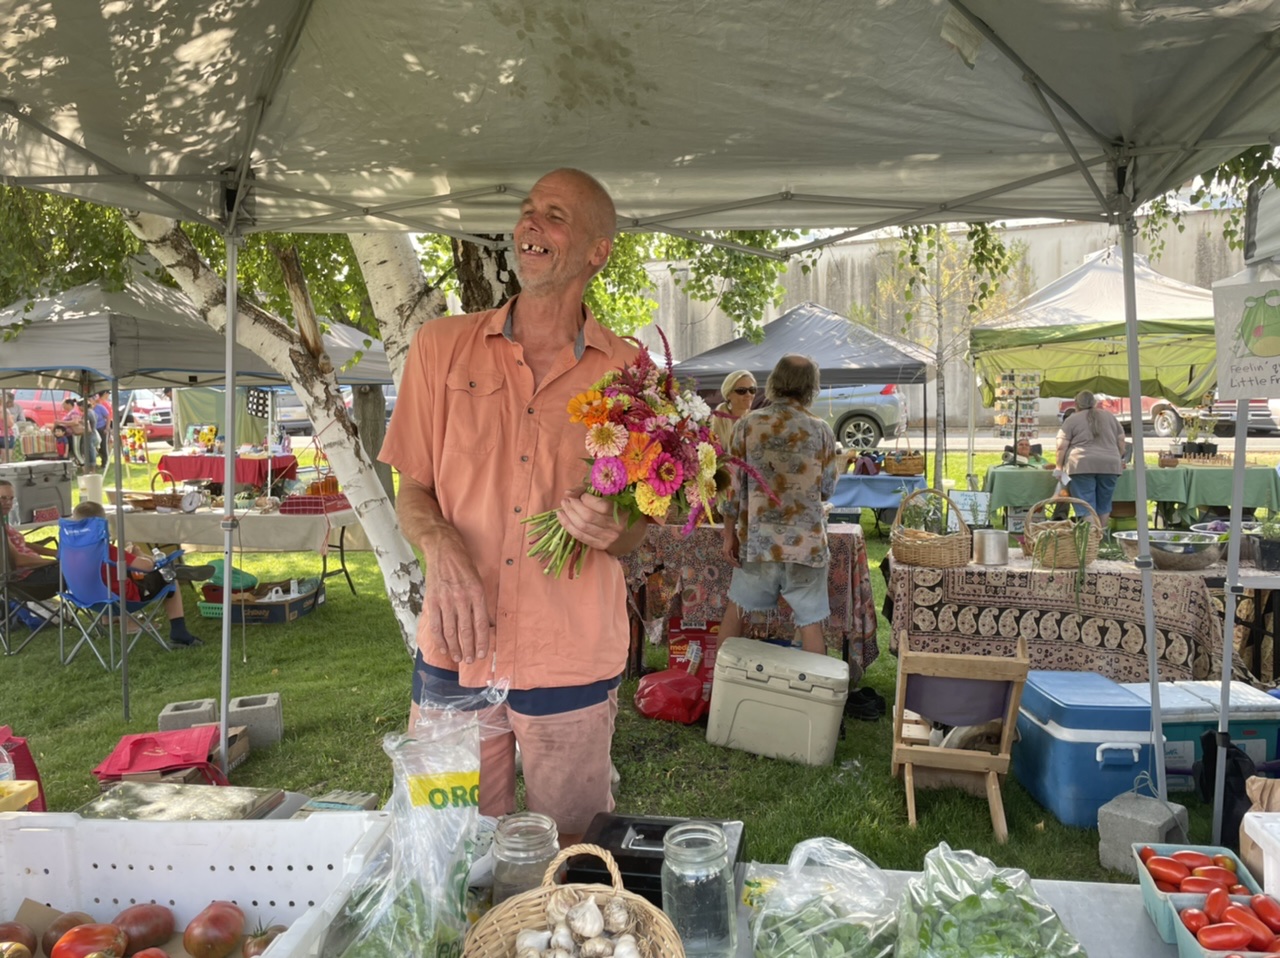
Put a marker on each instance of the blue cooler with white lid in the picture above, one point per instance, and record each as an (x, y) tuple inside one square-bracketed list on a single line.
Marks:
[(1184, 715), (1083, 740)]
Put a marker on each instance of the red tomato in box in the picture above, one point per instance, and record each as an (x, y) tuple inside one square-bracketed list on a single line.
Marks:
[(1165, 887), (1242, 916), (1225, 861), (1145, 852), (1167, 869), (1223, 876), (1268, 909), (215, 932), (1194, 919), (84, 940), (1240, 890), (60, 926), (151, 953), (1215, 903), (145, 925), (1194, 885), (1224, 937), (1192, 859)]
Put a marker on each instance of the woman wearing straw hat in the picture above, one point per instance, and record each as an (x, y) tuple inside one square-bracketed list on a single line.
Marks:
[(739, 392)]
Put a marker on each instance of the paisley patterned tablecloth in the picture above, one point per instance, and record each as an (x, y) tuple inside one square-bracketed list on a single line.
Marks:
[(981, 609), (690, 578)]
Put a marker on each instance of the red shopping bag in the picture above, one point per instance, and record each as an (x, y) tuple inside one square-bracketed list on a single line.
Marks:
[(674, 695), (23, 764), (163, 752)]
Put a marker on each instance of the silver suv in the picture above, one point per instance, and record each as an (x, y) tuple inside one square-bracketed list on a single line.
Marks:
[(861, 416)]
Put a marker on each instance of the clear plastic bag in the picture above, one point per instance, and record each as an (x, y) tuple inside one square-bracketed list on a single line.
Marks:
[(412, 899), (831, 902), (962, 905)]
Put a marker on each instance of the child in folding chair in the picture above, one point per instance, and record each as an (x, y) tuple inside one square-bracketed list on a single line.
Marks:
[(140, 589)]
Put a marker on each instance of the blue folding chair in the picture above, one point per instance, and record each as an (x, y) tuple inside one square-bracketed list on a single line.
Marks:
[(83, 553)]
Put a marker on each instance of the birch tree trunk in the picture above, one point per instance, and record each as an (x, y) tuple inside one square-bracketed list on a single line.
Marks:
[(280, 346), (401, 296)]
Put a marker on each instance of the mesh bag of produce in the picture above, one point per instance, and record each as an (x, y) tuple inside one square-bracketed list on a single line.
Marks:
[(831, 902), (963, 906)]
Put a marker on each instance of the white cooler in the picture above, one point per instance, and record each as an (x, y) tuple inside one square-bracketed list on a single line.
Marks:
[(777, 702), (42, 486)]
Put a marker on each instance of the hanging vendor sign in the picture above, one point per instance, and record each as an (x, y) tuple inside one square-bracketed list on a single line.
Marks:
[(1246, 309)]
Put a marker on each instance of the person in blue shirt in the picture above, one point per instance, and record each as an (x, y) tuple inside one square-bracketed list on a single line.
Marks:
[(101, 420)]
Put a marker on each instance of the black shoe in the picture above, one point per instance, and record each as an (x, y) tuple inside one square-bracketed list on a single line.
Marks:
[(192, 573), (186, 641)]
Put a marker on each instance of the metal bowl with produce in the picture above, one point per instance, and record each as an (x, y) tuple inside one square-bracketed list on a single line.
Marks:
[(1175, 551), (1222, 529)]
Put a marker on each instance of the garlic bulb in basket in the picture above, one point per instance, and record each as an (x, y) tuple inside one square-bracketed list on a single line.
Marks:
[(585, 920), (538, 940), (617, 916)]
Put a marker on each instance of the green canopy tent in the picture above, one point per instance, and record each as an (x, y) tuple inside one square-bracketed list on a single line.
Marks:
[(1072, 332)]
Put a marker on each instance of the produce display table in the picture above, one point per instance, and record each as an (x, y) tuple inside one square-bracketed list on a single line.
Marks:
[(873, 492), (250, 470), (693, 581), (274, 532), (1107, 919), (983, 610)]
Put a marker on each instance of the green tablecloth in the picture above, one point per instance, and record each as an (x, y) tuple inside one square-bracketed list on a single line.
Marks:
[(1018, 487)]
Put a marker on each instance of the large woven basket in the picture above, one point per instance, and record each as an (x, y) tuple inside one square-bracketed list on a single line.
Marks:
[(138, 500), (1052, 543), (494, 935), (936, 550), (166, 500)]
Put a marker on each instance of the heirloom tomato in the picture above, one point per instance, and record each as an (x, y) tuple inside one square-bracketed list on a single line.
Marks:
[(84, 940), (151, 953), (14, 949), (261, 939), (60, 926), (17, 931), (215, 932), (146, 925)]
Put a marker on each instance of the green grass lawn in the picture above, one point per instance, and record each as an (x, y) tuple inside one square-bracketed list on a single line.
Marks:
[(344, 676)]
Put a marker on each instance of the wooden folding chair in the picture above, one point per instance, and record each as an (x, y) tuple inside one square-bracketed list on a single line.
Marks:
[(956, 690)]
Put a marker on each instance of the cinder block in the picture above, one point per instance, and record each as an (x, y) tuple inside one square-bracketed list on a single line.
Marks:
[(261, 715), (179, 715), (1131, 818)]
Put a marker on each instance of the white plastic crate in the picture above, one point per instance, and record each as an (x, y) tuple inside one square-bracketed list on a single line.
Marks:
[(298, 872), (1264, 829)]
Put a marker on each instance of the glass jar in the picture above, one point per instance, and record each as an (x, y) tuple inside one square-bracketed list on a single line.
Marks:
[(523, 846), (698, 890)]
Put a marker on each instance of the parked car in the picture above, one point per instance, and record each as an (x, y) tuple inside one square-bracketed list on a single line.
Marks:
[(151, 410), (42, 406), (1166, 419), (861, 416), (1264, 414), (290, 414)]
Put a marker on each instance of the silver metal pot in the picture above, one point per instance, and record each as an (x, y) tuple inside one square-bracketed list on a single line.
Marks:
[(990, 547)]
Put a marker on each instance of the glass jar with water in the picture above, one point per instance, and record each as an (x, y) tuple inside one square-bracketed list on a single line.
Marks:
[(523, 846), (698, 891)]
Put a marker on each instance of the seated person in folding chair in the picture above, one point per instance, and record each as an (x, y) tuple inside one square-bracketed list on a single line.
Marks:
[(35, 564), (141, 589)]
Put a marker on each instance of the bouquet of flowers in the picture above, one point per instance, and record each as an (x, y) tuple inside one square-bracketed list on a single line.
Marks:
[(652, 451)]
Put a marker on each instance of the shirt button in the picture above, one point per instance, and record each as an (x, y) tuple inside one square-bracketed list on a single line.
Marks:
[(517, 508), (524, 458), (473, 385), (519, 362), (511, 562), (530, 410)]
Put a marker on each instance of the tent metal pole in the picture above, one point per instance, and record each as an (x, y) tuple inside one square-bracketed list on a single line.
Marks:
[(973, 428), (228, 494), (120, 534), (1143, 562), (1233, 592)]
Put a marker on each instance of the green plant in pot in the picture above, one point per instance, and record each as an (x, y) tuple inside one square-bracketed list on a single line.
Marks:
[(1269, 544), (1191, 444), (1209, 444)]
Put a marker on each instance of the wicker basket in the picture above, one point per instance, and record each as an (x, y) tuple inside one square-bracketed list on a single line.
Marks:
[(899, 463), (1052, 542), (494, 935), (938, 551), (166, 500), (138, 500)]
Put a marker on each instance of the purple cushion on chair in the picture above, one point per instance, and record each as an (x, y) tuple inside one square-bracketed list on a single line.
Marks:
[(956, 701)]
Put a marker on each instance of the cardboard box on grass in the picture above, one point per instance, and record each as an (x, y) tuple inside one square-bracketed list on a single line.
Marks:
[(297, 873)]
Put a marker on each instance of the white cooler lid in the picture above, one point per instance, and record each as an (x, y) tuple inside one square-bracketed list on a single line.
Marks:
[(1177, 704), (764, 660), (1247, 703)]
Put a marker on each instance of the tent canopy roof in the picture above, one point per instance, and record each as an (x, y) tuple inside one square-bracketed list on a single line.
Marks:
[(147, 334), (848, 353), (1072, 331), (434, 115)]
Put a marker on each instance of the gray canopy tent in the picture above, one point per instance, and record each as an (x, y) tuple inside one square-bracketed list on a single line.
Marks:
[(291, 116)]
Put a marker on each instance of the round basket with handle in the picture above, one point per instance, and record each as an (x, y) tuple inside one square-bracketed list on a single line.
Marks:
[(166, 500), (898, 462), (938, 550), (494, 935), (1061, 543)]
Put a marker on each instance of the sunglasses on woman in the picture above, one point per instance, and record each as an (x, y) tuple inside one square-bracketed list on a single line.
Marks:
[(745, 390)]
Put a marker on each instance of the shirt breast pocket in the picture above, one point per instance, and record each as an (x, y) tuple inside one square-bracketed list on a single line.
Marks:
[(475, 405)]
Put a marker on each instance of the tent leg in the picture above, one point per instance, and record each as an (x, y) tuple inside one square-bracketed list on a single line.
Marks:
[(228, 493), (1143, 562), (120, 541)]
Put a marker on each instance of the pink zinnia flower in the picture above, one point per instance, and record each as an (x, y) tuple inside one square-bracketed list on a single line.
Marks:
[(665, 475), (609, 475)]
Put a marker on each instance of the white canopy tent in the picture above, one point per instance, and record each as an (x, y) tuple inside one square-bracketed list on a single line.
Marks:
[(327, 115)]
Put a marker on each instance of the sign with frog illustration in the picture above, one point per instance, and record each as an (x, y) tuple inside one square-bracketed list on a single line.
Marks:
[(1247, 318)]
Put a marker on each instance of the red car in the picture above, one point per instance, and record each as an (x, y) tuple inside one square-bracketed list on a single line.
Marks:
[(42, 406)]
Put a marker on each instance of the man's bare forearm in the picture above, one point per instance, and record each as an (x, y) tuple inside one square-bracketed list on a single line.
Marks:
[(421, 520)]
